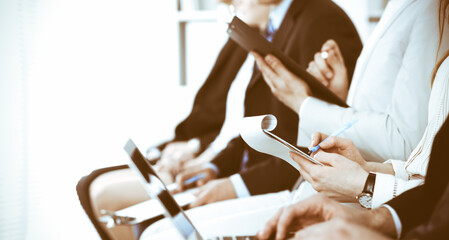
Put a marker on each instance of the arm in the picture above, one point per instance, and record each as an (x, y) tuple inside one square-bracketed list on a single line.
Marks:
[(389, 186), (208, 111), (229, 160), (270, 176), (394, 134)]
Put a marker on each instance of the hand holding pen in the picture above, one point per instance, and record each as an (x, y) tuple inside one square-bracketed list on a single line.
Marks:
[(335, 134), (194, 177), (341, 146)]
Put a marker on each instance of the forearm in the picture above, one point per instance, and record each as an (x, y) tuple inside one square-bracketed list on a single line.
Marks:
[(391, 141), (386, 168), (381, 220)]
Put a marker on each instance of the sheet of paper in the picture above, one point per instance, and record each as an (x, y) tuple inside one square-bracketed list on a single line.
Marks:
[(152, 208), (256, 133)]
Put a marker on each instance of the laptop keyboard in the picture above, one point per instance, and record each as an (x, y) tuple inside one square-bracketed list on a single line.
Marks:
[(234, 238)]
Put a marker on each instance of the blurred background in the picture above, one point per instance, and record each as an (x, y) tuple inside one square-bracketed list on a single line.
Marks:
[(78, 78)]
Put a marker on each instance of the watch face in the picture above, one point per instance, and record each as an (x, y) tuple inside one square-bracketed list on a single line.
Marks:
[(365, 200)]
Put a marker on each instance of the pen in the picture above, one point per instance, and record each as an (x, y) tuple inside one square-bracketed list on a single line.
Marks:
[(194, 179), (344, 128), (191, 180)]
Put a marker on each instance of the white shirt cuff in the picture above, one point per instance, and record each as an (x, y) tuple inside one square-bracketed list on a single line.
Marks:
[(399, 168), (383, 189), (239, 186), (301, 109), (397, 221)]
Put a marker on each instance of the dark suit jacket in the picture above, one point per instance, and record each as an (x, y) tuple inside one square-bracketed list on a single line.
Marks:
[(209, 108), (306, 26), (415, 207)]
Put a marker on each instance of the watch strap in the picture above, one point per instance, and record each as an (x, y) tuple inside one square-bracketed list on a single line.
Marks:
[(369, 184)]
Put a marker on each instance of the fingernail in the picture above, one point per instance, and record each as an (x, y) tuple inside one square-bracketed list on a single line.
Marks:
[(329, 75)]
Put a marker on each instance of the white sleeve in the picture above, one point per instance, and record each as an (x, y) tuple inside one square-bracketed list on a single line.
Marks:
[(397, 221), (388, 186), (376, 135), (239, 186), (394, 130)]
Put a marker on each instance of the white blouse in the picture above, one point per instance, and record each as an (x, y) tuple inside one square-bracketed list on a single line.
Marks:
[(412, 173)]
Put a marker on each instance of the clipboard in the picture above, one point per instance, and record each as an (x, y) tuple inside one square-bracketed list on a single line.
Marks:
[(293, 148), (251, 40)]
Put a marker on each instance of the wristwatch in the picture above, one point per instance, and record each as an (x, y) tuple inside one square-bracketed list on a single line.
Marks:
[(365, 198)]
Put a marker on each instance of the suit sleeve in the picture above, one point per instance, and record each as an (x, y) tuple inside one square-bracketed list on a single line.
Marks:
[(209, 108), (411, 208), (229, 160), (272, 175), (415, 206)]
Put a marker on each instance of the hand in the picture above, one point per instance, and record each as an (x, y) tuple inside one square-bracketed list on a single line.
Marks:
[(203, 158), (341, 146), (340, 178), (313, 210), (338, 229), (331, 71), (214, 191), (194, 171), (287, 87), (175, 154)]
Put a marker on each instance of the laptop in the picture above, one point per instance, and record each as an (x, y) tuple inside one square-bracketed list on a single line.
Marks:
[(156, 189)]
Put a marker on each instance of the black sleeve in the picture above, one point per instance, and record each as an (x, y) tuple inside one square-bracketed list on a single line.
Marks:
[(229, 160), (407, 205), (209, 107), (273, 175), (416, 206)]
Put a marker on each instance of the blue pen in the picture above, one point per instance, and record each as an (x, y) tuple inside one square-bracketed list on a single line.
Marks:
[(194, 179), (344, 128)]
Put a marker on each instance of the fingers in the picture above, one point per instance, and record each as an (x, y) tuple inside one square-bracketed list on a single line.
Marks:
[(329, 159), (270, 227), (304, 164), (188, 174), (316, 138), (284, 222), (335, 58), (277, 66), (268, 73), (202, 198), (323, 66), (316, 72), (336, 142)]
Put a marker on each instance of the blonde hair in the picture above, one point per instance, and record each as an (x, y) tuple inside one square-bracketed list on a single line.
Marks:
[(442, 17)]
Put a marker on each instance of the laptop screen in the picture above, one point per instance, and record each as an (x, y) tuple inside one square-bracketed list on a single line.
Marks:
[(156, 189)]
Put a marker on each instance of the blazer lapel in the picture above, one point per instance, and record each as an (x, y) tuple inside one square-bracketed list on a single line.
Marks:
[(281, 36)]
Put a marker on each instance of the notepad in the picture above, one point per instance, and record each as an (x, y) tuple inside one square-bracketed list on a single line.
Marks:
[(256, 132)]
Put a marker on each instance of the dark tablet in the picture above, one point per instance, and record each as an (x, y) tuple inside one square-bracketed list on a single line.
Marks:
[(251, 40)]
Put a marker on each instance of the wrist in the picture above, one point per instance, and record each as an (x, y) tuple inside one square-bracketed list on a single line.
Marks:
[(386, 168), (381, 220), (365, 196), (299, 102)]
